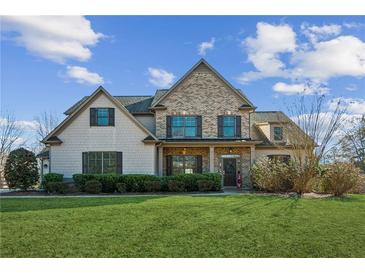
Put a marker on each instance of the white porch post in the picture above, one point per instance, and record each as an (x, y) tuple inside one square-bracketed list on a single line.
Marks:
[(160, 161), (253, 155), (211, 159)]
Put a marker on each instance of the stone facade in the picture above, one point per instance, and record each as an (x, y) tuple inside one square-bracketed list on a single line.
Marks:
[(243, 161), (202, 93)]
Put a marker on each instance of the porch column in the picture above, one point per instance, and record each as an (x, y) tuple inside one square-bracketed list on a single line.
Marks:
[(160, 161), (211, 159), (253, 155)]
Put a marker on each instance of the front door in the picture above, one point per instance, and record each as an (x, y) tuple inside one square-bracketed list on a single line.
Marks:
[(229, 167)]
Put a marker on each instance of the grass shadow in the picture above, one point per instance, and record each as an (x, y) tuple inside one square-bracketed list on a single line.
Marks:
[(34, 204)]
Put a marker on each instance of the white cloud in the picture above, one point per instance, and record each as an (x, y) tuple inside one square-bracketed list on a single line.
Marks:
[(83, 76), (342, 56), (304, 62), (21, 124), (353, 106), (351, 87), (160, 78), (56, 38), (354, 25), (204, 46), (264, 51), (316, 33), (302, 89)]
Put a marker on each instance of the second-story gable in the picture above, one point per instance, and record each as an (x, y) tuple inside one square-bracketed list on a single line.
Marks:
[(220, 109)]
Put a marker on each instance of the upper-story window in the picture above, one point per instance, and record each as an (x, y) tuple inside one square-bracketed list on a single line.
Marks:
[(102, 117), (229, 126), (183, 126), (278, 133)]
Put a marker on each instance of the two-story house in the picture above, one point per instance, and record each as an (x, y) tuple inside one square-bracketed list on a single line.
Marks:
[(201, 124)]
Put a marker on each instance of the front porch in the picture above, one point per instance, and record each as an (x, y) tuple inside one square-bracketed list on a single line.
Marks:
[(225, 158)]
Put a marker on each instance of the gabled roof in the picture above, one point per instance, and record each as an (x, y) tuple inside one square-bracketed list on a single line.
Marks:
[(268, 117), (53, 134), (202, 61), (134, 104)]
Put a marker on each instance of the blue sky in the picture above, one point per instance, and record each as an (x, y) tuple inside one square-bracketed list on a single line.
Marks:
[(48, 63)]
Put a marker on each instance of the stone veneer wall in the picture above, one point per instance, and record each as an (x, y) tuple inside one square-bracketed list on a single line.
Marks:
[(243, 162), (202, 93), (204, 151)]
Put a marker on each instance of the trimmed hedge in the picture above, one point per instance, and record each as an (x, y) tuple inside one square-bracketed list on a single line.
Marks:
[(53, 177), (150, 183), (93, 187), (56, 187)]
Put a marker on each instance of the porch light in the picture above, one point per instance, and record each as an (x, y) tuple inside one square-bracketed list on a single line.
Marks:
[(184, 150), (230, 150)]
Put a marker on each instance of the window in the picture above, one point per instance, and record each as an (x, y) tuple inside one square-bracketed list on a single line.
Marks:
[(278, 133), (280, 158), (184, 164), (102, 162), (183, 126), (102, 117), (229, 126)]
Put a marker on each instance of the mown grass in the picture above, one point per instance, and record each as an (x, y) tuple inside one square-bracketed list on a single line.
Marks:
[(183, 226)]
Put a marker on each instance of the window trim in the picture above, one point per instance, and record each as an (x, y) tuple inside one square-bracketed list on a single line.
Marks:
[(234, 126), (198, 168), (102, 162), (111, 118), (184, 126), (275, 135)]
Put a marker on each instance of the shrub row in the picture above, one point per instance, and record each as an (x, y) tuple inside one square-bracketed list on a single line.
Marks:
[(110, 183), (53, 177), (56, 187), (337, 178)]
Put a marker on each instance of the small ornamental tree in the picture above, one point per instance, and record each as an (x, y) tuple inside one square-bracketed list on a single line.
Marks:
[(21, 170)]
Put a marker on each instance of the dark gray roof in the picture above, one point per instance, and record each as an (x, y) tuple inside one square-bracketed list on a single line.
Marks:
[(134, 104), (44, 154), (158, 94), (268, 117)]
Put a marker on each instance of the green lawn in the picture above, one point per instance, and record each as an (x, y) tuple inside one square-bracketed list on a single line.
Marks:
[(183, 226)]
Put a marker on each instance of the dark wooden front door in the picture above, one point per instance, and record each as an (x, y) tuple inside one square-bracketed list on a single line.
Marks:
[(229, 167)]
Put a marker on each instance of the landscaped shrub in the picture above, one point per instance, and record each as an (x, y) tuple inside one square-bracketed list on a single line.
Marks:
[(53, 177), (56, 187), (81, 179), (21, 169), (341, 178), (136, 182), (176, 186), (93, 187), (273, 176), (147, 183), (153, 186), (121, 187), (108, 182), (216, 178), (206, 185)]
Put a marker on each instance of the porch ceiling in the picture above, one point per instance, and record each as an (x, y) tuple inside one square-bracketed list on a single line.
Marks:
[(206, 143)]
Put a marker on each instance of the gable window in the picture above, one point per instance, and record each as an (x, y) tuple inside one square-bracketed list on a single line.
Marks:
[(102, 117), (278, 133), (229, 126), (184, 164), (183, 126), (98, 162), (280, 158)]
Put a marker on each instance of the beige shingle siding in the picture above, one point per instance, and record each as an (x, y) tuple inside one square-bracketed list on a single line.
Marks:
[(126, 136), (202, 93)]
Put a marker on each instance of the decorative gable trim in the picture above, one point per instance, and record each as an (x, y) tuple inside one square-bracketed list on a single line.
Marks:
[(202, 61), (74, 114)]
